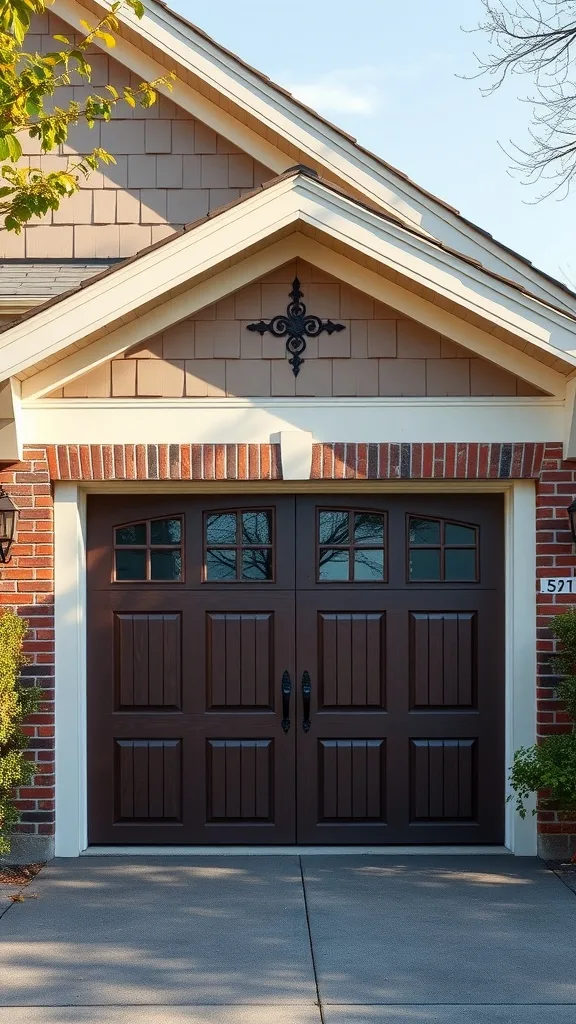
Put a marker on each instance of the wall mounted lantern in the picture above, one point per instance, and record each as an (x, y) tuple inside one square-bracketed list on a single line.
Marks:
[(8, 522), (572, 517)]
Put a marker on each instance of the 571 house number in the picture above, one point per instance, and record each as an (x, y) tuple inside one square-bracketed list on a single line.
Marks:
[(558, 585)]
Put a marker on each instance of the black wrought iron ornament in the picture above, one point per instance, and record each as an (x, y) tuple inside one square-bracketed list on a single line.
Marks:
[(296, 325)]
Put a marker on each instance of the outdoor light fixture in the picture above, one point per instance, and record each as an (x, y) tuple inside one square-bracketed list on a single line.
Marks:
[(8, 521), (572, 517)]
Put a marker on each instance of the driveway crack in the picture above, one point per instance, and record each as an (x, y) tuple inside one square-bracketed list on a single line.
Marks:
[(318, 998)]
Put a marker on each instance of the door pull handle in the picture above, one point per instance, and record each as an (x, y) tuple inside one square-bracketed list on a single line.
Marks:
[(286, 693), (306, 692)]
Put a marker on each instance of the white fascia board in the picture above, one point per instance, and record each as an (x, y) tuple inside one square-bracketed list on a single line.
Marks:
[(236, 420), (413, 256), (150, 276), (291, 200), (10, 421)]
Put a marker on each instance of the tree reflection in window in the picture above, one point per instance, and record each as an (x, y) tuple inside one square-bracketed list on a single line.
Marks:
[(238, 546), (441, 551), (351, 546)]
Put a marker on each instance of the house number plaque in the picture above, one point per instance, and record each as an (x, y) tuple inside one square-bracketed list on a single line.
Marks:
[(558, 585)]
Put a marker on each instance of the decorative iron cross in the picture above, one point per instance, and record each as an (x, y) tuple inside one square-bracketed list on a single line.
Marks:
[(296, 325)]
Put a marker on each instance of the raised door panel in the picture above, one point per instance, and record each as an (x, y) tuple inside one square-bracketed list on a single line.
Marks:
[(443, 659), (240, 659), (240, 781), (352, 780), (148, 776), (148, 660), (443, 780), (351, 660)]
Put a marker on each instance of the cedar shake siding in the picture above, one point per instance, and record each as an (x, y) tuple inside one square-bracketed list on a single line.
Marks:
[(170, 170), (212, 354)]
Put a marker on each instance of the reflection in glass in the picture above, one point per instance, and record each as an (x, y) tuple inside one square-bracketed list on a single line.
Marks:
[(333, 527), (460, 564), (368, 528), (256, 528), (166, 565), (455, 534), (135, 534), (221, 528), (369, 565), (130, 565), (220, 565), (424, 531), (165, 531), (257, 564), (333, 565), (425, 565)]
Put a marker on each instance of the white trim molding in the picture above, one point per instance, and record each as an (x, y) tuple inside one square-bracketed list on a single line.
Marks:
[(71, 759)]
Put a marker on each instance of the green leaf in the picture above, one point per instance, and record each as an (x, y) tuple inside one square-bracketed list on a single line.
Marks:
[(4, 149), (62, 39)]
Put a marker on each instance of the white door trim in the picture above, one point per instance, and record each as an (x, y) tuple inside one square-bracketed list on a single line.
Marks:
[(70, 626)]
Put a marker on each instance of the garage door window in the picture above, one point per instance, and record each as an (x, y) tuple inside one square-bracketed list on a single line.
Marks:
[(351, 546), (149, 551), (238, 546), (441, 552)]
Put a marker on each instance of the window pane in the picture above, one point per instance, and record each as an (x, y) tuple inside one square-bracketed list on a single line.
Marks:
[(424, 531), (130, 565), (333, 565), (256, 528), (425, 565), (166, 531), (454, 534), (333, 528), (220, 565), (369, 565), (368, 528), (135, 534), (460, 564), (166, 565), (221, 529), (257, 564)]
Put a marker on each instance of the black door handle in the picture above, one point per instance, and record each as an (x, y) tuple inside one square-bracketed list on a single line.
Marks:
[(286, 692), (306, 691)]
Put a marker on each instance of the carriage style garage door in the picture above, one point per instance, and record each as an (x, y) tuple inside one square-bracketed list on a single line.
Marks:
[(295, 669)]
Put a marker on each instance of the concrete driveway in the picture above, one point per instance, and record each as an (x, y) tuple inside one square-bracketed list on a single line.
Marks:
[(289, 940)]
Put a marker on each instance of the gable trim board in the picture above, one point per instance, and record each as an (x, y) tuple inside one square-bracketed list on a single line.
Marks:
[(305, 134), (289, 202)]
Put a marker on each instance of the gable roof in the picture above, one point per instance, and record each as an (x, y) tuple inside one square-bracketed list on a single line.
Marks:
[(112, 309), (282, 130), (37, 279)]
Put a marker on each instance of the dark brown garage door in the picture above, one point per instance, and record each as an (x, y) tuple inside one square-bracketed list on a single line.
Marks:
[(299, 669)]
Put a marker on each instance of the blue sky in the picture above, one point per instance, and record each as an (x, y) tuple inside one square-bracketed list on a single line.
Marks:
[(386, 71)]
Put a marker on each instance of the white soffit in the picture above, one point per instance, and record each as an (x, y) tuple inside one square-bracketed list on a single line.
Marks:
[(290, 201)]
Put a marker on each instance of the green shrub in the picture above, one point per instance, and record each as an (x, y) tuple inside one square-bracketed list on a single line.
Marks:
[(16, 702)]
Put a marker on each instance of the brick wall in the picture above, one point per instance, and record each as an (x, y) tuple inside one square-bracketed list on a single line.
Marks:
[(27, 587), (554, 557), (26, 583)]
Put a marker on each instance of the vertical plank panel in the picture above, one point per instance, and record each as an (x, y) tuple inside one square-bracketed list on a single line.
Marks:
[(467, 781), (141, 783), (344, 655), (123, 627), (451, 774), (344, 767), (375, 660), (419, 640), (247, 660), (216, 659), (141, 669), (232, 751), (419, 782), (466, 659), (172, 780), (125, 779), (329, 779), (359, 779), (328, 647), (155, 779), (359, 660), (436, 660), (264, 781), (375, 777), (264, 659), (172, 661), (155, 660), (233, 660), (248, 779), (450, 623), (436, 778), (217, 778)]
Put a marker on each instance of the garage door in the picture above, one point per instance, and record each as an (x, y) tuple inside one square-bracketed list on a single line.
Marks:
[(295, 669)]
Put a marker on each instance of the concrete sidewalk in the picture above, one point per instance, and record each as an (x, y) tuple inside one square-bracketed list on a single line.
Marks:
[(289, 940)]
